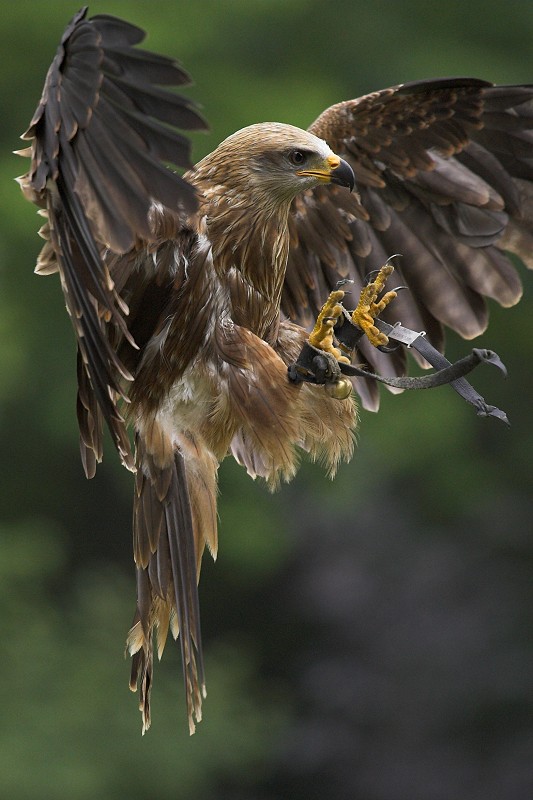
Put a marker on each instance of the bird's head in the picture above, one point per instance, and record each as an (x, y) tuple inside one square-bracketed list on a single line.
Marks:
[(273, 162)]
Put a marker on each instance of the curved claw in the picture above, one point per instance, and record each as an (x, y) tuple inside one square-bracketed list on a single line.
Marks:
[(383, 348), (369, 276), (377, 272), (395, 255)]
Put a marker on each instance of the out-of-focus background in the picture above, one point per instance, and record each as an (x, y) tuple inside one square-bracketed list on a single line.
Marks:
[(366, 638)]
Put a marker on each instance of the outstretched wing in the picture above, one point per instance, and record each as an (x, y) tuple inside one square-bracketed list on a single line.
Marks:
[(444, 176), (99, 136)]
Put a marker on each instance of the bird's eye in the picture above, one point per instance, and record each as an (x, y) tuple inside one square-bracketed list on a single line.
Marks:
[(297, 157)]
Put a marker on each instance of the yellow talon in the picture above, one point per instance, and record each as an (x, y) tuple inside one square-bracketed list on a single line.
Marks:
[(369, 307), (322, 336)]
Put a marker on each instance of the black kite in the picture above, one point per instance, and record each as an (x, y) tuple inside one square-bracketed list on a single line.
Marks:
[(191, 295)]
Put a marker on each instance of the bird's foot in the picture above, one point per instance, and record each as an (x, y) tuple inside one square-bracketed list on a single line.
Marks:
[(370, 306), (322, 335)]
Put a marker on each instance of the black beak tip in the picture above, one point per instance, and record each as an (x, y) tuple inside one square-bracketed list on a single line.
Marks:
[(343, 175)]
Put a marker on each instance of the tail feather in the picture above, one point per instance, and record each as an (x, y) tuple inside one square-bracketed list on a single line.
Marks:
[(167, 556), (201, 468), (180, 533)]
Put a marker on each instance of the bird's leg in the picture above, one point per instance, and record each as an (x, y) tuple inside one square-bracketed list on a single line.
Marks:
[(370, 306), (321, 336)]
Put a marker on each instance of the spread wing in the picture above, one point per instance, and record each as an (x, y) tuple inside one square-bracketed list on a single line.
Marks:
[(99, 136), (102, 130), (444, 176)]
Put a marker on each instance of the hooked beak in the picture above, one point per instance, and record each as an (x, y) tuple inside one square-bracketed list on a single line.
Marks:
[(342, 174), (336, 171)]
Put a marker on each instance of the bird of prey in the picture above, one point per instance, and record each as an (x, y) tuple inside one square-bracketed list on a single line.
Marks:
[(190, 294)]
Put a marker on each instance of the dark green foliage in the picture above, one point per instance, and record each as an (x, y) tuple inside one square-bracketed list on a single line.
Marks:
[(365, 638)]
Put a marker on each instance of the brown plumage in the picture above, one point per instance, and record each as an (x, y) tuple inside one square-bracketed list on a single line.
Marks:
[(189, 296)]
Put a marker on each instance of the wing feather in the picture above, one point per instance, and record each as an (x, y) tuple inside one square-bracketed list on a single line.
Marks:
[(102, 128), (445, 176)]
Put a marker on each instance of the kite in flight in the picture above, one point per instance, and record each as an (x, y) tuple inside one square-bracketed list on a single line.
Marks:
[(191, 295)]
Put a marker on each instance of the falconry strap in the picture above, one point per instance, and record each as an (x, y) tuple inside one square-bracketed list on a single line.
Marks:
[(318, 367)]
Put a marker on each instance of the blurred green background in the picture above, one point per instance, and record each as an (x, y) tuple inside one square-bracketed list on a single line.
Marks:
[(367, 638)]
